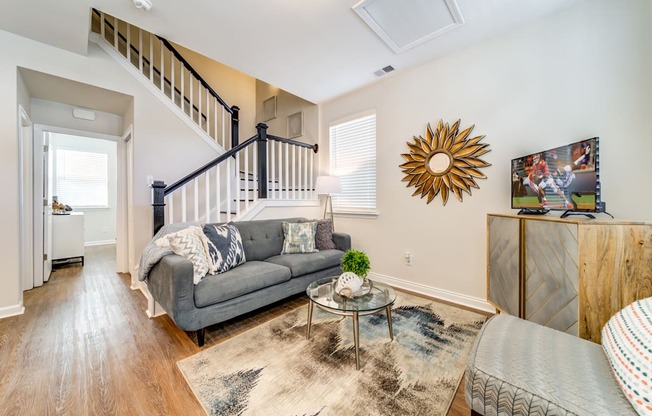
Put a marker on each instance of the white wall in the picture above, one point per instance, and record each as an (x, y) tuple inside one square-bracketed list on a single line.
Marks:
[(52, 113), (159, 137), (581, 73)]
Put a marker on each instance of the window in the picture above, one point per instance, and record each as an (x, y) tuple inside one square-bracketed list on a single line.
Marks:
[(353, 159), (81, 178)]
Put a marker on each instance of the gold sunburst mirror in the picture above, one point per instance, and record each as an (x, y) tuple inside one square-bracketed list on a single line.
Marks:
[(445, 161)]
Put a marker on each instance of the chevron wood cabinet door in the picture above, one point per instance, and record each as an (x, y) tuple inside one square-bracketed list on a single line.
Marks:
[(573, 274)]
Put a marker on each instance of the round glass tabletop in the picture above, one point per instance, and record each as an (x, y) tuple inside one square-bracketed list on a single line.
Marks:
[(321, 292)]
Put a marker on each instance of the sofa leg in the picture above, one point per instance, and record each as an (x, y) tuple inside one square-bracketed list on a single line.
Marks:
[(474, 413), (200, 336)]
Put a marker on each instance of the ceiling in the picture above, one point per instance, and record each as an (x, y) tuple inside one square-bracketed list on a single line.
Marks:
[(315, 49)]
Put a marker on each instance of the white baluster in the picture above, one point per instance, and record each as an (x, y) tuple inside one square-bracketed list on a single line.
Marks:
[(115, 34), (102, 26), (300, 180), (312, 170), (191, 105), (196, 195), (218, 193), (224, 128), (215, 133), (140, 50), (172, 65), (162, 67), (254, 163), (183, 89), (237, 191), (128, 51), (199, 88), (293, 149), (207, 196), (246, 177), (280, 170), (228, 189), (170, 204), (208, 114), (151, 58), (287, 170), (183, 203), (272, 170)]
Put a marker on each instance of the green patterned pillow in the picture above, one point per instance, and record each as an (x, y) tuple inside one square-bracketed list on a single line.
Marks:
[(299, 237)]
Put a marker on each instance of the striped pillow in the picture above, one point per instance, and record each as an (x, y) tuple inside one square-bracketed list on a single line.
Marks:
[(627, 342)]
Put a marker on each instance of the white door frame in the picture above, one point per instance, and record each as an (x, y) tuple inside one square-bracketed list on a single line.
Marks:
[(26, 200), (124, 235), (39, 131)]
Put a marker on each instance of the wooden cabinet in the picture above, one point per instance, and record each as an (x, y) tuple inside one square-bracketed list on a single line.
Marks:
[(567, 274)]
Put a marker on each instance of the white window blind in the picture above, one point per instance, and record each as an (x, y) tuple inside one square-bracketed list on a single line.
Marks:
[(353, 159), (81, 178)]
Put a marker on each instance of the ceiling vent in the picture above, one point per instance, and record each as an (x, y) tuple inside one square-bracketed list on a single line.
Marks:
[(404, 24), (384, 71)]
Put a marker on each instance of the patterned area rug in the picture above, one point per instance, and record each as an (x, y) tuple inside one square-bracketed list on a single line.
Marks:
[(273, 370)]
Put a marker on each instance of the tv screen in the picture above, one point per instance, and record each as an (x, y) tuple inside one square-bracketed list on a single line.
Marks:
[(564, 178)]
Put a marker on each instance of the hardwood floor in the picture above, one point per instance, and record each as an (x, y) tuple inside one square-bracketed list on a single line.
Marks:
[(85, 347)]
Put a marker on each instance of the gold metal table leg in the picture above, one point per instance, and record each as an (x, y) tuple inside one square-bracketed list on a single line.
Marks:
[(388, 310), (309, 318), (356, 339)]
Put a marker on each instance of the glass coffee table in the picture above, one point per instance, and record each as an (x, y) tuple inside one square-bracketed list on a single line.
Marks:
[(380, 297)]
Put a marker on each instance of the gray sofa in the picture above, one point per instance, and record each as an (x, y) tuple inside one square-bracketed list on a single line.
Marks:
[(522, 368), (266, 277)]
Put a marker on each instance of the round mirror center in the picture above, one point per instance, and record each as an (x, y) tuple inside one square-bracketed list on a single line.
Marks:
[(439, 163)]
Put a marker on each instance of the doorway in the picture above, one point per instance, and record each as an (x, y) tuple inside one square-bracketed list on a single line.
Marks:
[(82, 173)]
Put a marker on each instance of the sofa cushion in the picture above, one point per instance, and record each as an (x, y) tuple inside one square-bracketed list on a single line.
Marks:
[(299, 237), (225, 249), (627, 342), (519, 367), (305, 263), (246, 278), (262, 238), (190, 243)]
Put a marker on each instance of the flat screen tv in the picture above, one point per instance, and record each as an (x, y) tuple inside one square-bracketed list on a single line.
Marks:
[(564, 178)]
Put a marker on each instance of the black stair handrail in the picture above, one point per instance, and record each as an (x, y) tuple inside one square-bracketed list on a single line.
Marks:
[(160, 190), (233, 110)]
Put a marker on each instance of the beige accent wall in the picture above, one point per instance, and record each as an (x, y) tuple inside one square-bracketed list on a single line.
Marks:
[(581, 73)]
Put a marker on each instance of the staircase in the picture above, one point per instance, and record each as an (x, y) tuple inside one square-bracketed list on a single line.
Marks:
[(231, 187)]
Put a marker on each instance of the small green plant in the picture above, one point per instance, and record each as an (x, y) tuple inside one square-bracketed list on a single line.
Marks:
[(356, 262)]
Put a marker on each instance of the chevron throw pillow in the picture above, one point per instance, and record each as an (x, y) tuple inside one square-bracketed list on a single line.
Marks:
[(191, 244), (627, 342), (225, 249)]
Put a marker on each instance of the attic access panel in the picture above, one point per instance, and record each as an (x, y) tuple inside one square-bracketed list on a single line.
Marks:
[(404, 24)]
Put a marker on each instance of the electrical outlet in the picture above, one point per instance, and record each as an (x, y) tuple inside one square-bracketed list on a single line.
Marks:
[(408, 258)]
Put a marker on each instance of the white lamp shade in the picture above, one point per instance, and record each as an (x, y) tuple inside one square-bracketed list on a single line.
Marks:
[(327, 185)]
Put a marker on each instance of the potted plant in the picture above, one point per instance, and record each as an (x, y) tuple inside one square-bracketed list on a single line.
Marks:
[(355, 261)]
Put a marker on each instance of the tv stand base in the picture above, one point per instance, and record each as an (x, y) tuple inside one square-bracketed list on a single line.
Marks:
[(568, 213), (533, 211)]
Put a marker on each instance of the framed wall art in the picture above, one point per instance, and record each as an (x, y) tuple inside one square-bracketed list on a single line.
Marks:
[(269, 108), (295, 125)]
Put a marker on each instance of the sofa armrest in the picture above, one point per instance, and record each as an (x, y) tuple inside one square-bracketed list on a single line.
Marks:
[(171, 284), (342, 241)]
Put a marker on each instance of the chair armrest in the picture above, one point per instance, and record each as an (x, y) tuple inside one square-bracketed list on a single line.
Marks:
[(171, 284), (342, 241)]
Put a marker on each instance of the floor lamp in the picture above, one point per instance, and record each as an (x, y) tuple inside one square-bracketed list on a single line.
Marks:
[(328, 185)]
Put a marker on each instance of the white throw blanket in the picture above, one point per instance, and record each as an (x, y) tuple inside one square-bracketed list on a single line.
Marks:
[(154, 252)]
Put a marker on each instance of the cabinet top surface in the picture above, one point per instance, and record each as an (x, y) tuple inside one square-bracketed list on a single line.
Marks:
[(573, 220)]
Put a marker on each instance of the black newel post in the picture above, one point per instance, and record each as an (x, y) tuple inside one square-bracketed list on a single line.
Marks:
[(158, 203), (262, 160), (235, 129)]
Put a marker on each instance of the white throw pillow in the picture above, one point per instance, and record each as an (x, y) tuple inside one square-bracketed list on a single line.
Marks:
[(627, 342), (191, 244)]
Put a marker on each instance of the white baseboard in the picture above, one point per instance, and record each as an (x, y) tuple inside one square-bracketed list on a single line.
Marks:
[(14, 310), (99, 243), (153, 308), (446, 295)]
